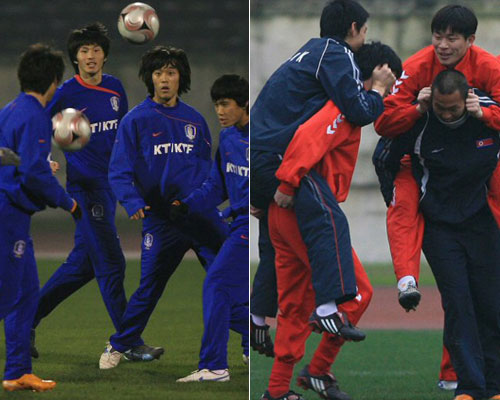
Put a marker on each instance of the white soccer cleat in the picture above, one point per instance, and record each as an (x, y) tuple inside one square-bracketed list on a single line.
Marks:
[(447, 385), (206, 375), (110, 358)]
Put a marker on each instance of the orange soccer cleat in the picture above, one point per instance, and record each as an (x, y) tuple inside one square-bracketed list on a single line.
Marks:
[(28, 382)]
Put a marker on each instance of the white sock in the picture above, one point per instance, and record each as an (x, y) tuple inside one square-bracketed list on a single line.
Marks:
[(326, 309), (258, 319), (404, 281)]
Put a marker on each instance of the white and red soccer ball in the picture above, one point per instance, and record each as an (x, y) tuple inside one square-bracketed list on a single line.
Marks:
[(138, 23), (71, 129)]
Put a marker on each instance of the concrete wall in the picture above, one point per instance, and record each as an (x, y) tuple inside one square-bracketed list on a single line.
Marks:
[(278, 28)]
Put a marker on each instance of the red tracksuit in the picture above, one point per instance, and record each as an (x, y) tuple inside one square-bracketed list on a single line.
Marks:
[(405, 225), (328, 144)]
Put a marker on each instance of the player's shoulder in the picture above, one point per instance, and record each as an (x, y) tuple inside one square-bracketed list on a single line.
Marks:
[(483, 58), (111, 82), (423, 57), (189, 112)]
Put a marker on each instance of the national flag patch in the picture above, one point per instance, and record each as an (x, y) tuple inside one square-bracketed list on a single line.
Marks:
[(484, 143)]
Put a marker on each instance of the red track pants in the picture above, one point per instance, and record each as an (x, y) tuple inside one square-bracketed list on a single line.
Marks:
[(296, 303)]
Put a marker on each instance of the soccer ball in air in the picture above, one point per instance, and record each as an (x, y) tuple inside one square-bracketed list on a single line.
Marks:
[(138, 23), (71, 129)]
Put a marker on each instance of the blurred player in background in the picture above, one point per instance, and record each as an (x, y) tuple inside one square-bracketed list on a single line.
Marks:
[(314, 153), (26, 129), (97, 252), (225, 289), (453, 33), (162, 153), (323, 69)]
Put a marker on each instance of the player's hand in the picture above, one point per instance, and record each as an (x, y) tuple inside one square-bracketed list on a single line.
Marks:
[(8, 157), (472, 105), (178, 210), (256, 212), (139, 214), (424, 100), (54, 166), (283, 200), (76, 211), (383, 79)]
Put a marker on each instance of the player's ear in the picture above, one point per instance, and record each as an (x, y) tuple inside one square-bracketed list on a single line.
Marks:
[(470, 40)]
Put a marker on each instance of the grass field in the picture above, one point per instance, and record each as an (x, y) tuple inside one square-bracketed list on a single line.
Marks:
[(72, 338), (388, 365)]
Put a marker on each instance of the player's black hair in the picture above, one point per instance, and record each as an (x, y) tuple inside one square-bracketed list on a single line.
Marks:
[(39, 66), (338, 16), (231, 86), (161, 56), (95, 33), (371, 55), (459, 19), (449, 81)]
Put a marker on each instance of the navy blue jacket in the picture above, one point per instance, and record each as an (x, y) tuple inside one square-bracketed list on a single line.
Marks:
[(26, 129), (452, 166), (228, 177), (323, 69), (104, 105), (160, 154)]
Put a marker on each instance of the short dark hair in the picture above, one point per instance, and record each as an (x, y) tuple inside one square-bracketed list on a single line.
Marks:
[(449, 81), (161, 56), (40, 65), (230, 86), (338, 16), (371, 55), (459, 19), (95, 33)]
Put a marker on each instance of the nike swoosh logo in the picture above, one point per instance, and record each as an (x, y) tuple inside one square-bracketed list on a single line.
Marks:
[(244, 237), (437, 150), (155, 134), (41, 140)]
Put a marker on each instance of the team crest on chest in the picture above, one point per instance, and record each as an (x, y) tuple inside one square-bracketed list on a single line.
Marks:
[(148, 241), (97, 211), (115, 103), (19, 248), (190, 131)]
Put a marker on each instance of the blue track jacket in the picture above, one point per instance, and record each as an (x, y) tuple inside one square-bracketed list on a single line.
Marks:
[(104, 105), (228, 177), (26, 129), (323, 69), (160, 154)]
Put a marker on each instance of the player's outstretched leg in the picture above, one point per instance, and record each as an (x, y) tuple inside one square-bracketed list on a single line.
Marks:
[(260, 339), (325, 385), (337, 324), (28, 382)]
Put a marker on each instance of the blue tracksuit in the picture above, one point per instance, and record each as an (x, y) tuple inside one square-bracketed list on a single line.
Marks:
[(160, 154), (461, 240), (97, 251), (26, 129), (225, 290), (322, 69)]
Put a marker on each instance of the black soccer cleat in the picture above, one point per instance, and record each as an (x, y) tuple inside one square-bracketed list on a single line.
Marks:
[(325, 385), (143, 353), (33, 350), (288, 396), (409, 298), (336, 324), (260, 340)]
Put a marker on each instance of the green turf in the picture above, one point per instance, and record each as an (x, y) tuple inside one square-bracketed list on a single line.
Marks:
[(388, 365), (72, 338), (382, 274)]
